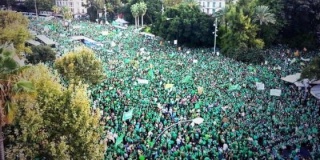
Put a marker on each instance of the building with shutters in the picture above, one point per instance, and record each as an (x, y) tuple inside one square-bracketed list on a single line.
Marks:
[(211, 6), (74, 5)]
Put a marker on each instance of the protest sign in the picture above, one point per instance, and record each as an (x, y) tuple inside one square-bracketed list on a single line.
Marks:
[(127, 115), (275, 92), (260, 86), (142, 81), (168, 86), (175, 42)]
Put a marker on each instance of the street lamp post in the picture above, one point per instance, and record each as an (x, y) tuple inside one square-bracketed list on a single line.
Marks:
[(198, 121), (215, 34)]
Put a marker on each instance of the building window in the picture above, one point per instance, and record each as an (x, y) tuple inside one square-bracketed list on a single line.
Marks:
[(219, 4), (208, 4)]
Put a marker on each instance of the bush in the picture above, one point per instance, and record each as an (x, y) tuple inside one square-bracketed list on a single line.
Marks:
[(41, 54)]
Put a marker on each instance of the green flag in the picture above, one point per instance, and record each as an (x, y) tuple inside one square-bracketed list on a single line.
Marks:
[(186, 79), (197, 106), (151, 74), (127, 61), (234, 87), (127, 115), (119, 140)]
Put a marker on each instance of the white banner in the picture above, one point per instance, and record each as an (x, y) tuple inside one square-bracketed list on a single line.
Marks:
[(142, 81), (260, 86), (275, 92)]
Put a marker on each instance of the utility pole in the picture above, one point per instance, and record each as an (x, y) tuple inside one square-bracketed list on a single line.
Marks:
[(215, 34)]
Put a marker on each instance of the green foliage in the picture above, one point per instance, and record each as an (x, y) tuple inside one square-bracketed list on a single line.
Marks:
[(41, 54), (7, 63), (270, 33), (312, 71), (42, 5), (55, 9), (10, 86), (66, 13), (92, 7), (56, 124), (303, 19), (113, 7), (187, 24), (263, 16), (239, 32), (80, 65), (171, 3), (14, 29), (154, 9)]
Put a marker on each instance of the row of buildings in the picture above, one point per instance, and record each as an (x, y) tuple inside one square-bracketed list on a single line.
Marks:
[(207, 6), (76, 6)]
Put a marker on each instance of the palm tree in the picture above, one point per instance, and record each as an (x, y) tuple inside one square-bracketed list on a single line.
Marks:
[(9, 87), (142, 9), (263, 15), (135, 14)]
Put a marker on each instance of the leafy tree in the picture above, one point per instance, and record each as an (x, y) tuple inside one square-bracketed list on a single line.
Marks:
[(9, 89), (187, 24), (56, 9), (80, 65), (113, 7), (312, 71), (239, 32), (42, 5), (14, 29), (154, 9), (270, 33), (56, 124), (41, 54), (66, 12), (93, 6), (171, 3), (303, 23)]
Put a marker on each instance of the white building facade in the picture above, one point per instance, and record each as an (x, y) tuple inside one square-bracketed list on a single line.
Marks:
[(74, 5), (211, 6)]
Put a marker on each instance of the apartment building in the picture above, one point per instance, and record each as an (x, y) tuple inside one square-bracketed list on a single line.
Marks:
[(211, 6), (74, 5)]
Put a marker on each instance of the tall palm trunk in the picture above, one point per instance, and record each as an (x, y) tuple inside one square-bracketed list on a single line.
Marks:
[(141, 20), (135, 22)]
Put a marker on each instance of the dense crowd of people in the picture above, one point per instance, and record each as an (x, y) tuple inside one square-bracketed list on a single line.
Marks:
[(168, 86)]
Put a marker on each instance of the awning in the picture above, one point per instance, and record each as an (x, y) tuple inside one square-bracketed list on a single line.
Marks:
[(33, 42), (292, 78), (46, 40), (315, 91)]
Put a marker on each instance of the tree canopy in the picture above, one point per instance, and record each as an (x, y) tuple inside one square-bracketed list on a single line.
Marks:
[(42, 5), (80, 65), (41, 54), (14, 29), (187, 24), (56, 124), (312, 71), (302, 23)]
